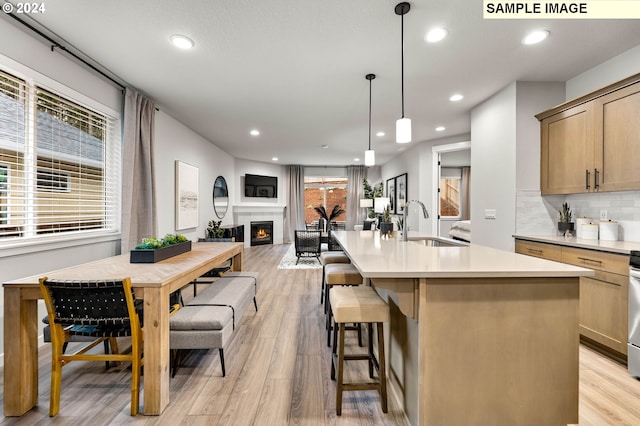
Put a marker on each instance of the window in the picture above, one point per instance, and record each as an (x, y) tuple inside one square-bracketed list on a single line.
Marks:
[(327, 192), (450, 197), (50, 181), (59, 163)]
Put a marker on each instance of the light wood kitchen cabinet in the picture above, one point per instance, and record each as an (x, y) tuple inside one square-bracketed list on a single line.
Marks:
[(592, 143), (618, 140), (544, 251), (567, 151), (604, 298)]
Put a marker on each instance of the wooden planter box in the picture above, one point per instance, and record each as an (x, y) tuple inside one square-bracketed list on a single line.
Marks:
[(157, 255)]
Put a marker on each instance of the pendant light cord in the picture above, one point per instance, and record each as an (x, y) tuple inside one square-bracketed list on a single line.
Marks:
[(402, 59), (370, 114)]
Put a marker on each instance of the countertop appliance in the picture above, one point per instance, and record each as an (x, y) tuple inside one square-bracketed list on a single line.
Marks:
[(633, 352)]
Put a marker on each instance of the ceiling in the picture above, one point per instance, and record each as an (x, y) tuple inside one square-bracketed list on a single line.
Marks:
[(295, 70)]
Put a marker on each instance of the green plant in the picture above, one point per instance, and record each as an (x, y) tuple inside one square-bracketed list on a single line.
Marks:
[(400, 223), (386, 214), (155, 243), (371, 193), (565, 213), (214, 230)]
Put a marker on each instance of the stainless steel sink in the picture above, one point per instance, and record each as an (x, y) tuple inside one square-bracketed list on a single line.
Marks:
[(437, 242)]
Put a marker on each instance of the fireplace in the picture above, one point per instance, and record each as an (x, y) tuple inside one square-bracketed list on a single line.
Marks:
[(261, 233)]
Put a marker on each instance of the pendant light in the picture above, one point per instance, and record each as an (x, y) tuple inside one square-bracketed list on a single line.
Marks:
[(403, 124), (370, 155)]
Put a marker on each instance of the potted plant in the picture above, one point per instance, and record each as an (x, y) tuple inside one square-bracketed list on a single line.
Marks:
[(214, 230), (154, 250), (386, 226), (328, 218), (565, 223)]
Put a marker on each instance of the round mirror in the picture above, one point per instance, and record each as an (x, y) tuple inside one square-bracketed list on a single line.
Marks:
[(220, 197)]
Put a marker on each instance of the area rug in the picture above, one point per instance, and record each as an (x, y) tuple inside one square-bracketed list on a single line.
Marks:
[(289, 261)]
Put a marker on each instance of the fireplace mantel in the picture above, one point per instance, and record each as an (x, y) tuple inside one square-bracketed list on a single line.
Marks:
[(245, 213)]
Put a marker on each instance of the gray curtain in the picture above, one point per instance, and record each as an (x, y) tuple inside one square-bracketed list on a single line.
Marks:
[(294, 216), (466, 193), (138, 192), (355, 191)]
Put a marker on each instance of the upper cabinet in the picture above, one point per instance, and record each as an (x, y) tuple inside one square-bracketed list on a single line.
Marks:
[(592, 144)]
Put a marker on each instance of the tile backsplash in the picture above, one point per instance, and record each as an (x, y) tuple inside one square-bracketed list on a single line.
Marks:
[(538, 215)]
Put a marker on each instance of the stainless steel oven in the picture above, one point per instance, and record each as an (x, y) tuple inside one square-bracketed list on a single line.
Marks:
[(633, 350)]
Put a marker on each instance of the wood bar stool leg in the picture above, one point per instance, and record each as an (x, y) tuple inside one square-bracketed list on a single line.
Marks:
[(382, 368), (340, 362)]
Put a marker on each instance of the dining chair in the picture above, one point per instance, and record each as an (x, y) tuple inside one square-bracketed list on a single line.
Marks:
[(307, 243), (103, 309)]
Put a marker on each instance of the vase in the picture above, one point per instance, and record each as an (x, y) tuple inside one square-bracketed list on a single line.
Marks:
[(565, 226), (386, 228)]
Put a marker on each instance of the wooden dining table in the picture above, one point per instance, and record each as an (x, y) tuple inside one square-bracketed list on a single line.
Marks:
[(152, 282)]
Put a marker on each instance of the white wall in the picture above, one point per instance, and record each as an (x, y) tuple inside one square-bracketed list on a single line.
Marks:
[(493, 169), (624, 65), (20, 53), (174, 141)]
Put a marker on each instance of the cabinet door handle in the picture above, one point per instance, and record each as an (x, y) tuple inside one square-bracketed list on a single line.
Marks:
[(533, 250), (586, 259), (586, 174), (596, 185)]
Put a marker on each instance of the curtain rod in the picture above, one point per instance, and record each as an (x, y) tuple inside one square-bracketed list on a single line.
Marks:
[(55, 45)]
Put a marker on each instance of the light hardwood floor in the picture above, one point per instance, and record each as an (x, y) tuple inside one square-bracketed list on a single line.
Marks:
[(278, 372)]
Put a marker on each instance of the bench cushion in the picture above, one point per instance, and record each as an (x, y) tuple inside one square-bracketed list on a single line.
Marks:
[(246, 274), (201, 318), (226, 291)]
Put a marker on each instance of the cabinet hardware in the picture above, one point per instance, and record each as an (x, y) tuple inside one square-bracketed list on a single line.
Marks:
[(586, 259), (532, 250), (586, 173), (596, 185)]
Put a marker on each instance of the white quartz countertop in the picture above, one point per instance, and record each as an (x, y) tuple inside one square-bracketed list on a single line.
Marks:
[(621, 247), (378, 257)]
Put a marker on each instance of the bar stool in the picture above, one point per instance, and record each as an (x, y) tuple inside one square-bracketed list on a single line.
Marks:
[(359, 304), (326, 258), (339, 274)]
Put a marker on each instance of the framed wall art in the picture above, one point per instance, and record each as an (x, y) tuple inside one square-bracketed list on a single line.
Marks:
[(391, 193), (401, 193), (186, 196)]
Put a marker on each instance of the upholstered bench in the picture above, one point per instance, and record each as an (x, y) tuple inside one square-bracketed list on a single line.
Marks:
[(208, 321)]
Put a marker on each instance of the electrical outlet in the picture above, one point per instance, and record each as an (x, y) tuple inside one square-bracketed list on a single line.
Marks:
[(603, 215)]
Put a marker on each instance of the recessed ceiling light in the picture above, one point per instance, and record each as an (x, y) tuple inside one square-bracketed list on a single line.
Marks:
[(255, 132), (274, 159), (535, 37), (440, 129), (456, 97), (380, 134), (325, 146), (183, 42), (357, 160), (436, 34)]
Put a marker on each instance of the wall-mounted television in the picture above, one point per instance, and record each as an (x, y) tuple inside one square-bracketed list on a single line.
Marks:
[(260, 186)]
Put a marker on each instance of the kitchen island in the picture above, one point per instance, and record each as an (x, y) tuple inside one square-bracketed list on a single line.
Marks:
[(477, 335)]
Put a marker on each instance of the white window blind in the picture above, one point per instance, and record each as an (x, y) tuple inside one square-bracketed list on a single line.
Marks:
[(59, 163)]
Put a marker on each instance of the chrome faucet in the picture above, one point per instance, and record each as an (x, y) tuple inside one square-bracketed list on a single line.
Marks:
[(404, 217)]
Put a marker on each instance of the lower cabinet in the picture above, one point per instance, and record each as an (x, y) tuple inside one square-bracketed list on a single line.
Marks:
[(604, 298)]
